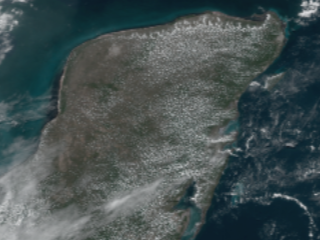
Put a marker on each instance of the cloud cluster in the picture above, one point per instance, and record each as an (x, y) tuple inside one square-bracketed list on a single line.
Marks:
[(17, 113), (125, 204), (8, 21), (309, 12), (25, 213), (24, 108), (309, 8)]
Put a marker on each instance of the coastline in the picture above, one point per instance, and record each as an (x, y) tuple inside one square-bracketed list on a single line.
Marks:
[(61, 83), (253, 17), (259, 19), (206, 209)]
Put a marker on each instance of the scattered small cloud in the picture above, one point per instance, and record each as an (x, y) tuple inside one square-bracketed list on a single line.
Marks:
[(9, 20), (125, 204), (25, 213), (309, 8), (23, 109), (309, 11), (20, 1)]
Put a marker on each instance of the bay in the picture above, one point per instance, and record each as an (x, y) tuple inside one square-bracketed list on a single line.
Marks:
[(48, 30)]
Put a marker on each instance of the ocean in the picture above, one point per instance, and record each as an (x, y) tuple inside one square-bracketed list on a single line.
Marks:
[(277, 162), (277, 150)]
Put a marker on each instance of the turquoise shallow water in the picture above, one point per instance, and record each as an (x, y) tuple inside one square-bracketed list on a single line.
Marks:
[(46, 32)]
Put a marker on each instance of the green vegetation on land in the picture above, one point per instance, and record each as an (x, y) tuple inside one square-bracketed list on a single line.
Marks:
[(140, 115)]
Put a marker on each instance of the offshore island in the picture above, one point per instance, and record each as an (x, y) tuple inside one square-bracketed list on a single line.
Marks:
[(142, 116)]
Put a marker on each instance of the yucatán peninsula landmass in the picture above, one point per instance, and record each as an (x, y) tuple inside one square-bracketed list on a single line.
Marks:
[(142, 116)]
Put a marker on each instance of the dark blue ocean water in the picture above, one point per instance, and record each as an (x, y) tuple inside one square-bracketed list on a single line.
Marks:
[(270, 191), (278, 157)]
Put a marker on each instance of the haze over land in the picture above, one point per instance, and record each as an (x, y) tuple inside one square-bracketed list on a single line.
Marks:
[(142, 115)]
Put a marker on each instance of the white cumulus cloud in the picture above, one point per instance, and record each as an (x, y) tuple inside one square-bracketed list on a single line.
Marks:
[(8, 21), (309, 8)]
